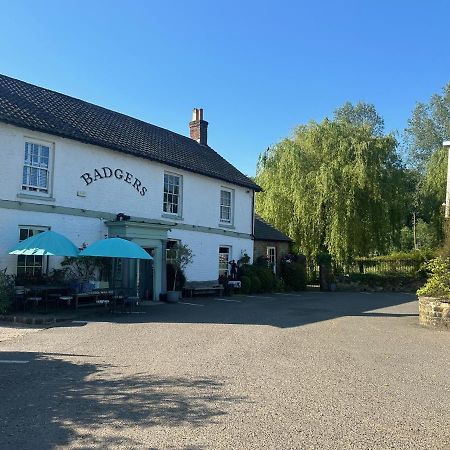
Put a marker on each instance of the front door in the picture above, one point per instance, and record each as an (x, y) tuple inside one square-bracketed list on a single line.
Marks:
[(146, 276), (224, 258)]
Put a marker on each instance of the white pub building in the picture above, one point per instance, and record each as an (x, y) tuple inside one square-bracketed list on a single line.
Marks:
[(88, 172)]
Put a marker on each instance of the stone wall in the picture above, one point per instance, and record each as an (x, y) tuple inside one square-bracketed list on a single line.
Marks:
[(434, 312), (260, 249)]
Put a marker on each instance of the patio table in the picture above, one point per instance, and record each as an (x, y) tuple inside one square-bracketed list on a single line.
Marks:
[(45, 292), (95, 296)]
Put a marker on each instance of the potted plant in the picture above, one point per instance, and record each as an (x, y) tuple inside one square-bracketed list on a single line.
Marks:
[(82, 271), (181, 256)]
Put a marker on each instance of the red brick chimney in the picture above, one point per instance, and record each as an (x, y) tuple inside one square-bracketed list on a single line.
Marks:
[(198, 127)]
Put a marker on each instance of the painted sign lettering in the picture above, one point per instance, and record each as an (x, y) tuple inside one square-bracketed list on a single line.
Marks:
[(119, 174)]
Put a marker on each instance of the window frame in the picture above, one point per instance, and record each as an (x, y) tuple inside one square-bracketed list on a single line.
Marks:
[(31, 189), (225, 269), (28, 258), (179, 213), (169, 244), (222, 221), (272, 264)]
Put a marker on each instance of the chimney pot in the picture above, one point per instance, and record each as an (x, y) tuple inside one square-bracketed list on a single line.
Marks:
[(198, 127), (197, 114)]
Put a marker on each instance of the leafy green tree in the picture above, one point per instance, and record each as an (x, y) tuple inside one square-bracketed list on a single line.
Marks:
[(406, 239), (334, 186), (359, 115), (431, 191), (427, 128), (426, 236)]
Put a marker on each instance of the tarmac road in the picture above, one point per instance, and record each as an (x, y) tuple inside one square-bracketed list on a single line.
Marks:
[(307, 371)]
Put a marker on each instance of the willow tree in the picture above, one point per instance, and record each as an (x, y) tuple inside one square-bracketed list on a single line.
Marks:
[(334, 186), (431, 192), (428, 126)]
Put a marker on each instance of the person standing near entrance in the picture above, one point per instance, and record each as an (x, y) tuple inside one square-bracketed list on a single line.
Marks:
[(233, 269)]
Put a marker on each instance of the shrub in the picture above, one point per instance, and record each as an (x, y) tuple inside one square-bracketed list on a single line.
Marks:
[(244, 259), (375, 279), (84, 269), (255, 284), (294, 275), (438, 283), (246, 286), (267, 279), (247, 270), (6, 291), (279, 285), (397, 262)]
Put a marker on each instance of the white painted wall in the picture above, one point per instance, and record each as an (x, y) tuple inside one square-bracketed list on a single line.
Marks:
[(78, 229), (205, 247), (201, 200), (201, 195)]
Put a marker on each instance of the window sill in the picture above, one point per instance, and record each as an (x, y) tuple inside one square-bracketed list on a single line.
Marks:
[(227, 225), (36, 197), (172, 217)]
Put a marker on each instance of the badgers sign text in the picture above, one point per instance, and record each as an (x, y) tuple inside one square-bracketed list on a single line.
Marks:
[(107, 172)]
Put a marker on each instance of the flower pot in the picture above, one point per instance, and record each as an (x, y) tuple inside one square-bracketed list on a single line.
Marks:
[(173, 296)]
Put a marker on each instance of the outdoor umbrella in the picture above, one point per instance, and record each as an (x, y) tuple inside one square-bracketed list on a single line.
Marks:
[(115, 248), (48, 243)]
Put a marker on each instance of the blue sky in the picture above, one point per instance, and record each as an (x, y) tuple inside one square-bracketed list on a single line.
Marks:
[(258, 68)]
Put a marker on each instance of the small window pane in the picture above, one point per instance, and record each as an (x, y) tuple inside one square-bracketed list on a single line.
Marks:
[(29, 265), (171, 196), (225, 206), (35, 170)]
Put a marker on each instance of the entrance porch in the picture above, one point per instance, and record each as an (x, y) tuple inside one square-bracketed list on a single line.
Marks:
[(147, 278)]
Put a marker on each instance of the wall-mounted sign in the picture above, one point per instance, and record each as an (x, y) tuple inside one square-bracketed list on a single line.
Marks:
[(119, 174)]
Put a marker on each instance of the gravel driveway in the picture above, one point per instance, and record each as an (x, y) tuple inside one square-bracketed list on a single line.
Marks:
[(306, 371)]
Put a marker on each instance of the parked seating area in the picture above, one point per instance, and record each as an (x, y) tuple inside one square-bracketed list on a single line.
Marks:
[(44, 298)]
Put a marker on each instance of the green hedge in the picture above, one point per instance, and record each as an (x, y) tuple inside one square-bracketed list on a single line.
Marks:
[(413, 256), (256, 286), (246, 285), (375, 279), (406, 263), (266, 280), (294, 275)]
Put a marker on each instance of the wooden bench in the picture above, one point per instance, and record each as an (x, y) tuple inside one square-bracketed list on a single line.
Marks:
[(203, 287)]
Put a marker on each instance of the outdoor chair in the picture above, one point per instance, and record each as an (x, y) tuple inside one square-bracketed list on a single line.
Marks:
[(65, 300), (129, 303), (19, 298), (34, 300)]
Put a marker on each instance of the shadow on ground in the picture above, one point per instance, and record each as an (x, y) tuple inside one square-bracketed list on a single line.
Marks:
[(278, 310), (72, 401)]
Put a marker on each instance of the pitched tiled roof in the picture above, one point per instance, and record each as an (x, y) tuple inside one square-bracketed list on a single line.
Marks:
[(266, 232), (40, 109)]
